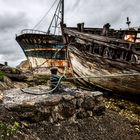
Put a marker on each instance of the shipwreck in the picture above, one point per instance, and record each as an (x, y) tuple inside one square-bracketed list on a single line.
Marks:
[(44, 50), (105, 57), (101, 57)]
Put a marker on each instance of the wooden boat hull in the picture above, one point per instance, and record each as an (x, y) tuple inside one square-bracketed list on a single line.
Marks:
[(94, 68), (43, 51)]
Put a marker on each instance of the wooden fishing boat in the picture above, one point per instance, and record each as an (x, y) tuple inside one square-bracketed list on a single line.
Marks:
[(104, 57), (44, 50)]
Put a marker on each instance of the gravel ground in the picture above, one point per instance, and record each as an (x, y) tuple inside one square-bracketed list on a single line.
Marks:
[(109, 126), (113, 125)]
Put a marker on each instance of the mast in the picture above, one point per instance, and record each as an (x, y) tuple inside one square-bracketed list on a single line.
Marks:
[(58, 17), (62, 14)]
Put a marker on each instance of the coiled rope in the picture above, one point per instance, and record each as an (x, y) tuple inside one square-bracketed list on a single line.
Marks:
[(43, 93)]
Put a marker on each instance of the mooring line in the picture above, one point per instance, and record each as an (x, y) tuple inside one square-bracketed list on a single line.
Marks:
[(104, 76), (43, 93), (82, 77)]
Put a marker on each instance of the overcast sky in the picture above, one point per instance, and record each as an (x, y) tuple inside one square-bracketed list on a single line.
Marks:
[(16, 15)]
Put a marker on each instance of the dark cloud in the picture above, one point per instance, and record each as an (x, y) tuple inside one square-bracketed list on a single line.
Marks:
[(10, 51), (97, 13), (10, 24), (10, 21)]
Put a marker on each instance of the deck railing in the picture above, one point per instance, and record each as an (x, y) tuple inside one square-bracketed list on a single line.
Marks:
[(31, 31)]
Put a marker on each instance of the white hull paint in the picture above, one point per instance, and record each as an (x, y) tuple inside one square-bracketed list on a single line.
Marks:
[(85, 66)]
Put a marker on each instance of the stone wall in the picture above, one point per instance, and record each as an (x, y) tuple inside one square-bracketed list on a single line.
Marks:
[(67, 105)]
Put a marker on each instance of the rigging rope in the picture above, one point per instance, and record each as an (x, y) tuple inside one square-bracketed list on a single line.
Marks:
[(45, 14)]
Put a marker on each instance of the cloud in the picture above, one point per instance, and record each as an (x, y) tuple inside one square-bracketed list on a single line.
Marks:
[(10, 21), (10, 24), (11, 52), (97, 13)]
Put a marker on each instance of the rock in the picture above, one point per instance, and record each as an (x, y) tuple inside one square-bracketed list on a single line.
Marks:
[(68, 97), (87, 93), (99, 110), (8, 81), (56, 117), (46, 110), (89, 113), (67, 109), (28, 104), (53, 108), (81, 114), (3, 86), (51, 100), (88, 103), (25, 65), (79, 102), (79, 94), (10, 70), (1, 98), (99, 99), (98, 96), (20, 85)]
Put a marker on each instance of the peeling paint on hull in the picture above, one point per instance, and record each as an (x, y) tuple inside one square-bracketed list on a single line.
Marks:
[(42, 65), (96, 66), (43, 51)]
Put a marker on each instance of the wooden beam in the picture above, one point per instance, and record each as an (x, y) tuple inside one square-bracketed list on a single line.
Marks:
[(92, 37), (102, 40)]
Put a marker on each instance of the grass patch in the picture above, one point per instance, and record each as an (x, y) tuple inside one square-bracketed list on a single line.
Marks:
[(2, 74), (8, 130)]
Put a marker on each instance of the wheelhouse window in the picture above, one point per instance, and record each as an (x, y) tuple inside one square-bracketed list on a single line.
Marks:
[(130, 37), (138, 37)]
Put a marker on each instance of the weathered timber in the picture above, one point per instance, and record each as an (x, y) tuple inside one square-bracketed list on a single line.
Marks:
[(94, 54), (106, 44), (102, 40), (92, 37), (97, 66)]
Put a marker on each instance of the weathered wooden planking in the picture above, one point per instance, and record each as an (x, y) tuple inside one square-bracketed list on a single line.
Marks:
[(83, 68), (91, 37)]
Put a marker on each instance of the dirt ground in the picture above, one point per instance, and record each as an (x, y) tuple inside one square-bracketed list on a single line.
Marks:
[(110, 126), (121, 121)]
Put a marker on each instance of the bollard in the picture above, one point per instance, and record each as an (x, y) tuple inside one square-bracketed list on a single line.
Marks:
[(54, 78)]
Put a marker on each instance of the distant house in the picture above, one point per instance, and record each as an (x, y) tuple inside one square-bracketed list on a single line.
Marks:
[(1, 65)]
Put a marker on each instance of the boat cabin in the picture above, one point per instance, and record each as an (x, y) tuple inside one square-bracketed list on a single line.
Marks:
[(120, 45)]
